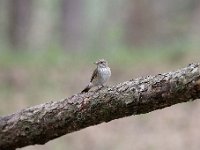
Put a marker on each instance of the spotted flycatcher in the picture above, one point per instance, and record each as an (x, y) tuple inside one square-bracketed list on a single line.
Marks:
[(100, 75)]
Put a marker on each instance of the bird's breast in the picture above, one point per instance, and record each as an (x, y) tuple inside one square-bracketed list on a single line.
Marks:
[(104, 74)]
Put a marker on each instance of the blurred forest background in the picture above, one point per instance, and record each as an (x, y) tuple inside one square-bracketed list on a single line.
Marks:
[(47, 50)]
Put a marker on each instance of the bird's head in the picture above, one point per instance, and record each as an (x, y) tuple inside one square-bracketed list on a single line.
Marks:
[(102, 63)]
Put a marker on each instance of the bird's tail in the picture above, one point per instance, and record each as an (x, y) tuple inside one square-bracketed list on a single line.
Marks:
[(87, 88)]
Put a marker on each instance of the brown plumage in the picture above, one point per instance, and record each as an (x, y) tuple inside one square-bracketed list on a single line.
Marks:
[(100, 75)]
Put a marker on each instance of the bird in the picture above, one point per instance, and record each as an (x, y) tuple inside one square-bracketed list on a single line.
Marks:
[(100, 75)]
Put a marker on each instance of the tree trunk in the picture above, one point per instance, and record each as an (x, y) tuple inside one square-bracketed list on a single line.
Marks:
[(194, 31), (42, 123), (140, 22), (19, 22), (73, 24)]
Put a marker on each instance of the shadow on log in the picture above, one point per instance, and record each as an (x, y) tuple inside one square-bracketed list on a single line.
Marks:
[(42, 123)]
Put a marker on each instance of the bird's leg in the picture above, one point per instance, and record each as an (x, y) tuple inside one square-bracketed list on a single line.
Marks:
[(106, 86), (102, 86), (99, 87)]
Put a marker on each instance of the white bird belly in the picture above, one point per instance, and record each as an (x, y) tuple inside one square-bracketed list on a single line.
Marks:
[(104, 75)]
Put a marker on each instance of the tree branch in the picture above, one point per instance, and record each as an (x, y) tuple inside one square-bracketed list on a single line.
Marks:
[(42, 123)]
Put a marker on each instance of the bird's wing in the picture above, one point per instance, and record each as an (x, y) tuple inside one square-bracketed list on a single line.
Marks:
[(94, 75)]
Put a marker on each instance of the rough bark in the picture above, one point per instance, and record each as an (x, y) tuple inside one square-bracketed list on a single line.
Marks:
[(42, 123)]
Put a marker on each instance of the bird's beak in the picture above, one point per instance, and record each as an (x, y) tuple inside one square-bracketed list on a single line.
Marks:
[(95, 63)]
